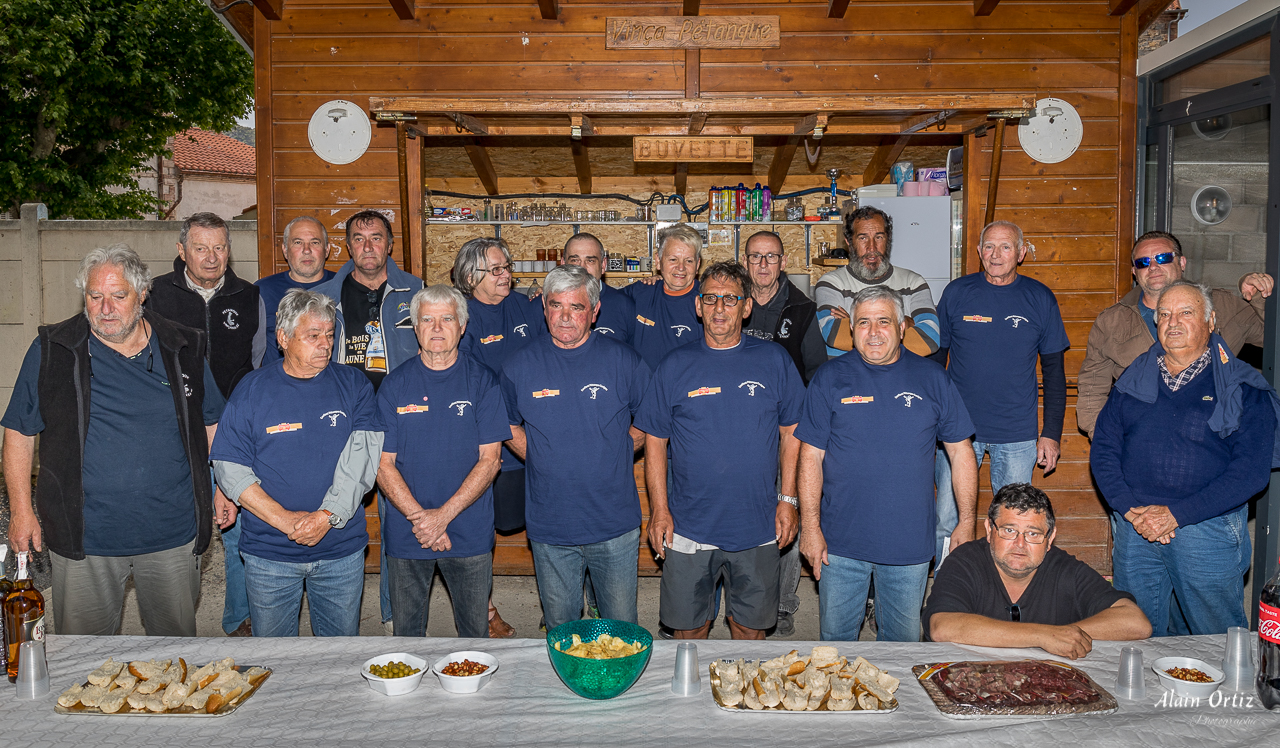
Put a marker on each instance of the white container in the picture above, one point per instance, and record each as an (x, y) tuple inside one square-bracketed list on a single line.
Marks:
[(395, 686), (465, 683), (1186, 688)]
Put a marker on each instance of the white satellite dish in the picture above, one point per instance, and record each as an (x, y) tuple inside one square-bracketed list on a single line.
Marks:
[(1053, 134), (339, 132)]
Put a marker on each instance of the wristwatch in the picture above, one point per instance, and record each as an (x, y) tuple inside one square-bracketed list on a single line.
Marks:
[(333, 518), (792, 500)]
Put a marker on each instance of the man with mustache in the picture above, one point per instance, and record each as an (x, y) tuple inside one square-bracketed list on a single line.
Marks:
[(869, 234), (127, 405)]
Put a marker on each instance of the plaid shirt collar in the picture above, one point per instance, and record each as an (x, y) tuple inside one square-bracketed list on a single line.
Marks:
[(1187, 374)]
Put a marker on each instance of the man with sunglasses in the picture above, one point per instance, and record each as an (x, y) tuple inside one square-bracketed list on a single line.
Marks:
[(728, 405), (1014, 589), (1127, 329)]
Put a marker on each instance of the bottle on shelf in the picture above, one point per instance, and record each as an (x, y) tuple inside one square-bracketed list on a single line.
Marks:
[(740, 204), (767, 210), (1268, 678), (6, 587), (23, 614)]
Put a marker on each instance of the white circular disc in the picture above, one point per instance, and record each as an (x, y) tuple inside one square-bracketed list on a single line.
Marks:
[(339, 132), (1051, 142)]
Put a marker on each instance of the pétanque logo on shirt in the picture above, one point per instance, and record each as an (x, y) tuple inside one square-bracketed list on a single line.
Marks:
[(751, 387), (784, 332), (594, 388), (229, 319), (545, 393), (606, 331), (1016, 319), (520, 329), (680, 329), (907, 397), (704, 391), (857, 400), (333, 417), (976, 318), (461, 405)]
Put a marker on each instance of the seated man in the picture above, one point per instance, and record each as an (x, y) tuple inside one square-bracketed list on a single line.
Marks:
[(1014, 589)]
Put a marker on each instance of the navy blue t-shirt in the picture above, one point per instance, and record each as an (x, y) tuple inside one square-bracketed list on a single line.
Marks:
[(663, 322), (137, 480), (617, 317), (435, 423), (721, 410), (576, 407), (290, 432), (272, 289), (995, 334), (879, 426), (495, 331)]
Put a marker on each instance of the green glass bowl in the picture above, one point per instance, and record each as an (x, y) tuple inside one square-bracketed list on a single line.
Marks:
[(598, 679)]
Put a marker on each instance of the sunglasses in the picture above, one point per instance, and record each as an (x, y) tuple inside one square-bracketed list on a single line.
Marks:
[(1164, 258)]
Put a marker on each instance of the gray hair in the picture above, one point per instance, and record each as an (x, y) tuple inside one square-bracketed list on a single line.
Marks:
[(298, 302), (470, 259), (879, 293), (204, 221), (570, 278), (1015, 228), (135, 271), (440, 293), (683, 233), (1205, 295), (288, 229)]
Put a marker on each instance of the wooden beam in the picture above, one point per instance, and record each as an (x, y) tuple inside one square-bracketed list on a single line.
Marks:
[(993, 184), (1149, 11), (402, 164), (692, 73), (691, 7), (781, 163), (423, 191), (883, 159), (272, 10), (404, 9), (579, 125), (984, 7), (682, 178), (484, 167), (836, 8), (549, 11), (1120, 7), (582, 165), (697, 121)]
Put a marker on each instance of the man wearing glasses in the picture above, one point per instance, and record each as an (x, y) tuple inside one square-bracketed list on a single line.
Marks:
[(1014, 589), (1127, 329), (781, 312), (727, 405)]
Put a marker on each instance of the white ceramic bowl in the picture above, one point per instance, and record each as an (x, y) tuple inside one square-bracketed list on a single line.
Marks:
[(1186, 688), (465, 683), (395, 686)]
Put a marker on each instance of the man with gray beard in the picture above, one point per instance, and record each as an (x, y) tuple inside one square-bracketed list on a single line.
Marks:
[(869, 233)]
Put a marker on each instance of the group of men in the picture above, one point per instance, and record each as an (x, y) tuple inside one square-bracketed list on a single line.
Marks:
[(771, 426)]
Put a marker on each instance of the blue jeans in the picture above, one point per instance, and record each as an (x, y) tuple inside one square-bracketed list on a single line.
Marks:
[(560, 570), (1010, 463), (468, 579), (384, 583), (235, 603), (842, 599), (1201, 571), (333, 589)]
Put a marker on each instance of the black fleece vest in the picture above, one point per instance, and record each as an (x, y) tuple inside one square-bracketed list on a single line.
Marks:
[(229, 320), (64, 407), (799, 312)]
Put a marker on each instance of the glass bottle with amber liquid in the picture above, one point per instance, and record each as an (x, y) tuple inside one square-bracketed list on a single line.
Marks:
[(6, 587), (23, 615)]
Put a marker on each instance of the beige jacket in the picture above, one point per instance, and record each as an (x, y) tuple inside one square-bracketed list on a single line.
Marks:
[(1119, 336)]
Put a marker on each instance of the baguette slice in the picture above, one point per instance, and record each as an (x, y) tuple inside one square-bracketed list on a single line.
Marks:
[(218, 700), (874, 688), (138, 701), (113, 701), (155, 703), (106, 672), (226, 663), (92, 695), (174, 694), (822, 656), (125, 679), (888, 682), (255, 675), (198, 700), (868, 702), (147, 669), (202, 676), (71, 696), (840, 705)]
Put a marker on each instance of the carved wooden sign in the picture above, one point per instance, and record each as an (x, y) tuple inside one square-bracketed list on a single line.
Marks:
[(719, 150), (691, 32)]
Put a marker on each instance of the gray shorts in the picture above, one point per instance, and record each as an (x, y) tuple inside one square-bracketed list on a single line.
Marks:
[(750, 583)]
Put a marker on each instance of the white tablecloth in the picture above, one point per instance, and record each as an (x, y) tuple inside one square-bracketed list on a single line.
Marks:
[(316, 697)]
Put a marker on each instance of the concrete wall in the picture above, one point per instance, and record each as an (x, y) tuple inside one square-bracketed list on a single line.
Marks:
[(39, 259)]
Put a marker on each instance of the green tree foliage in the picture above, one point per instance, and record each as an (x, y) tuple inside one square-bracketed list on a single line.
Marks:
[(91, 89)]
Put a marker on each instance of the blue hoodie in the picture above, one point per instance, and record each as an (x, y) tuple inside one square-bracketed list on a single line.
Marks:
[(401, 342)]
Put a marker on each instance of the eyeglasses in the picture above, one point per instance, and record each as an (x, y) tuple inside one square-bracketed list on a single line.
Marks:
[(1015, 613), (710, 299), (1009, 532), (496, 270), (1164, 258), (772, 259)]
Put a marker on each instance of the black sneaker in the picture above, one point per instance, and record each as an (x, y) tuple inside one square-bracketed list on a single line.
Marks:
[(786, 624), (665, 631)]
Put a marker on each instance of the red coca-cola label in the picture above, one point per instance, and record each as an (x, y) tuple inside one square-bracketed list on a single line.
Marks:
[(1269, 622)]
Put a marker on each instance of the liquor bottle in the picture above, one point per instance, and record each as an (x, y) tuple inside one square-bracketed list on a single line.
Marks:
[(5, 587), (1268, 680), (23, 614)]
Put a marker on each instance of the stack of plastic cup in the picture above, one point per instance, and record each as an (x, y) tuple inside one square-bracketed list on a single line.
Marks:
[(1237, 663), (33, 670), (687, 679), (1130, 681)]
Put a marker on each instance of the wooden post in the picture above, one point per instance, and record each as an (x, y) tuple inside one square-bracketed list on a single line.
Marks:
[(422, 174), (993, 186), (402, 162)]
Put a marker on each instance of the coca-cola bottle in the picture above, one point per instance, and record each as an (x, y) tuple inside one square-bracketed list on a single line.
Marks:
[(1269, 644)]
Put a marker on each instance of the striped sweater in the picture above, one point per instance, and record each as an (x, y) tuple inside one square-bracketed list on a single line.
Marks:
[(836, 291)]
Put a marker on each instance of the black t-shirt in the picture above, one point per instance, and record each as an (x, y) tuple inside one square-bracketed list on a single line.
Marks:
[(365, 347), (1064, 590)]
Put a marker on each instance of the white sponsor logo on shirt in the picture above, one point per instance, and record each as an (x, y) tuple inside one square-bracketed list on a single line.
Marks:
[(333, 416), (594, 388), (1016, 319), (520, 329), (606, 331), (229, 319), (461, 405), (785, 330), (679, 329), (907, 397), (751, 387)]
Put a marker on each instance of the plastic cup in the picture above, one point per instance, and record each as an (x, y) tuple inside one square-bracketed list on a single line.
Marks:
[(33, 670), (687, 680), (1237, 662), (1130, 681)]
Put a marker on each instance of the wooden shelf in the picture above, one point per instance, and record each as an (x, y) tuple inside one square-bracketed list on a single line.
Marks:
[(828, 262), (607, 276)]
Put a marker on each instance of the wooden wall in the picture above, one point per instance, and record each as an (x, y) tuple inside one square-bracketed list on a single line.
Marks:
[(1078, 213)]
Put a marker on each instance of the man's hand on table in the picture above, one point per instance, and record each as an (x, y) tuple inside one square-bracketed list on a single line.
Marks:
[(1069, 641), (309, 528)]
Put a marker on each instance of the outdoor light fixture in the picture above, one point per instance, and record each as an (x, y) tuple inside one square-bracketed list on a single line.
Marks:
[(1212, 128), (1211, 205)]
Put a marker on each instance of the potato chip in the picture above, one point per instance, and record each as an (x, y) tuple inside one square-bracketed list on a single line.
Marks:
[(605, 647)]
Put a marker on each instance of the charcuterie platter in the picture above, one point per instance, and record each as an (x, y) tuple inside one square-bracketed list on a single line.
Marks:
[(1020, 688)]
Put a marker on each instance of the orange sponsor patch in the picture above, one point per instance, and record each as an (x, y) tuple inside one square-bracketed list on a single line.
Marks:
[(490, 339), (546, 393), (856, 399), (645, 321), (279, 428), (704, 391), (412, 409), (976, 318)]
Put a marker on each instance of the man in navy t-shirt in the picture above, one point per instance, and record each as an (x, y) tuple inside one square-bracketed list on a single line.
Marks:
[(868, 432), (995, 323), (724, 404), (298, 449), (667, 310), (306, 247), (570, 400), (443, 422), (617, 317)]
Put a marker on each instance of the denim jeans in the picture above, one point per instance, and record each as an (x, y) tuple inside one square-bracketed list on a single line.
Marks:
[(560, 571), (1201, 571), (384, 582), (333, 589), (789, 578), (468, 579), (842, 599), (235, 602), (1010, 463)]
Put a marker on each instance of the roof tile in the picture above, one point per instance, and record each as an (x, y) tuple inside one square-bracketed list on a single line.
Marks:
[(213, 152)]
